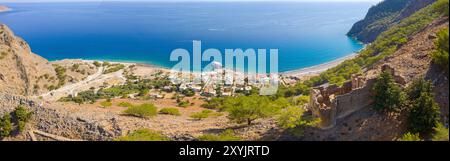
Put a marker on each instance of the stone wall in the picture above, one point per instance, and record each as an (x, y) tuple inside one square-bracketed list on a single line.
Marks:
[(353, 101), (331, 103)]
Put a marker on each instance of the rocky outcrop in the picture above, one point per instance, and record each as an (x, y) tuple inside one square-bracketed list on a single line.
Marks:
[(4, 8), (384, 15), (21, 71)]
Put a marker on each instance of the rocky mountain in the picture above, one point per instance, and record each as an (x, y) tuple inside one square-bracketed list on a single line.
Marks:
[(24, 73), (21, 71), (384, 15)]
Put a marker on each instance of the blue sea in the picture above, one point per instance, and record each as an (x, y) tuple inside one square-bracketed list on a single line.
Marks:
[(305, 34)]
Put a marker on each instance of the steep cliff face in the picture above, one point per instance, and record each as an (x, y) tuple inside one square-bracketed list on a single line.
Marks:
[(382, 16), (21, 71)]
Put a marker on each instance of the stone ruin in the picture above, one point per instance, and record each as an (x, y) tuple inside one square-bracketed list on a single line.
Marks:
[(331, 102)]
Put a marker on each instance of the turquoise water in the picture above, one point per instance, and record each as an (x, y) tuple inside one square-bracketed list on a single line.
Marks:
[(305, 34)]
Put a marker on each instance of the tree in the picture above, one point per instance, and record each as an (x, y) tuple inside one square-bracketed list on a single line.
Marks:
[(291, 117), (424, 114), (417, 87), (5, 125), (249, 108), (387, 94), (440, 56), (22, 116)]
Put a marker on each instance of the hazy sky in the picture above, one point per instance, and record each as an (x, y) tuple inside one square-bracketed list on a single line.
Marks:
[(185, 0)]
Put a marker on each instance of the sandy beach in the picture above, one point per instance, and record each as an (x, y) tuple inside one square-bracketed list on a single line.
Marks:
[(144, 68), (317, 69)]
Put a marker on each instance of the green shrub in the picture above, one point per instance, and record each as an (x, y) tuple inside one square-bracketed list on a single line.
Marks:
[(292, 117), (22, 116), (170, 111), (184, 103), (280, 103), (387, 95), (214, 103), (106, 64), (82, 97), (201, 115), (105, 104), (227, 135), (143, 92), (301, 100), (3, 55), (440, 133), (125, 104), (440, 56), (442, 7), (410, 137), (61, 74), (188, 92), (97, 64), (289, 91), (114, 68), (75, 67), (143, 135), (5, 125), (144, 110), (141, 86)]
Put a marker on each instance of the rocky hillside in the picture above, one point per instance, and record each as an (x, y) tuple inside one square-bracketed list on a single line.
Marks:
[(21, 71), (414, 60), (407, 48), (24, 73), (384, 15)]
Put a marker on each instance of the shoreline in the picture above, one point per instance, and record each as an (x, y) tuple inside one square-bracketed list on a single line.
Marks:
[(317, 69), (301, 72)]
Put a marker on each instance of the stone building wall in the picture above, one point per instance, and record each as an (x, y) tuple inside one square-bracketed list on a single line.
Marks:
[(330, 103), (333, 102)]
